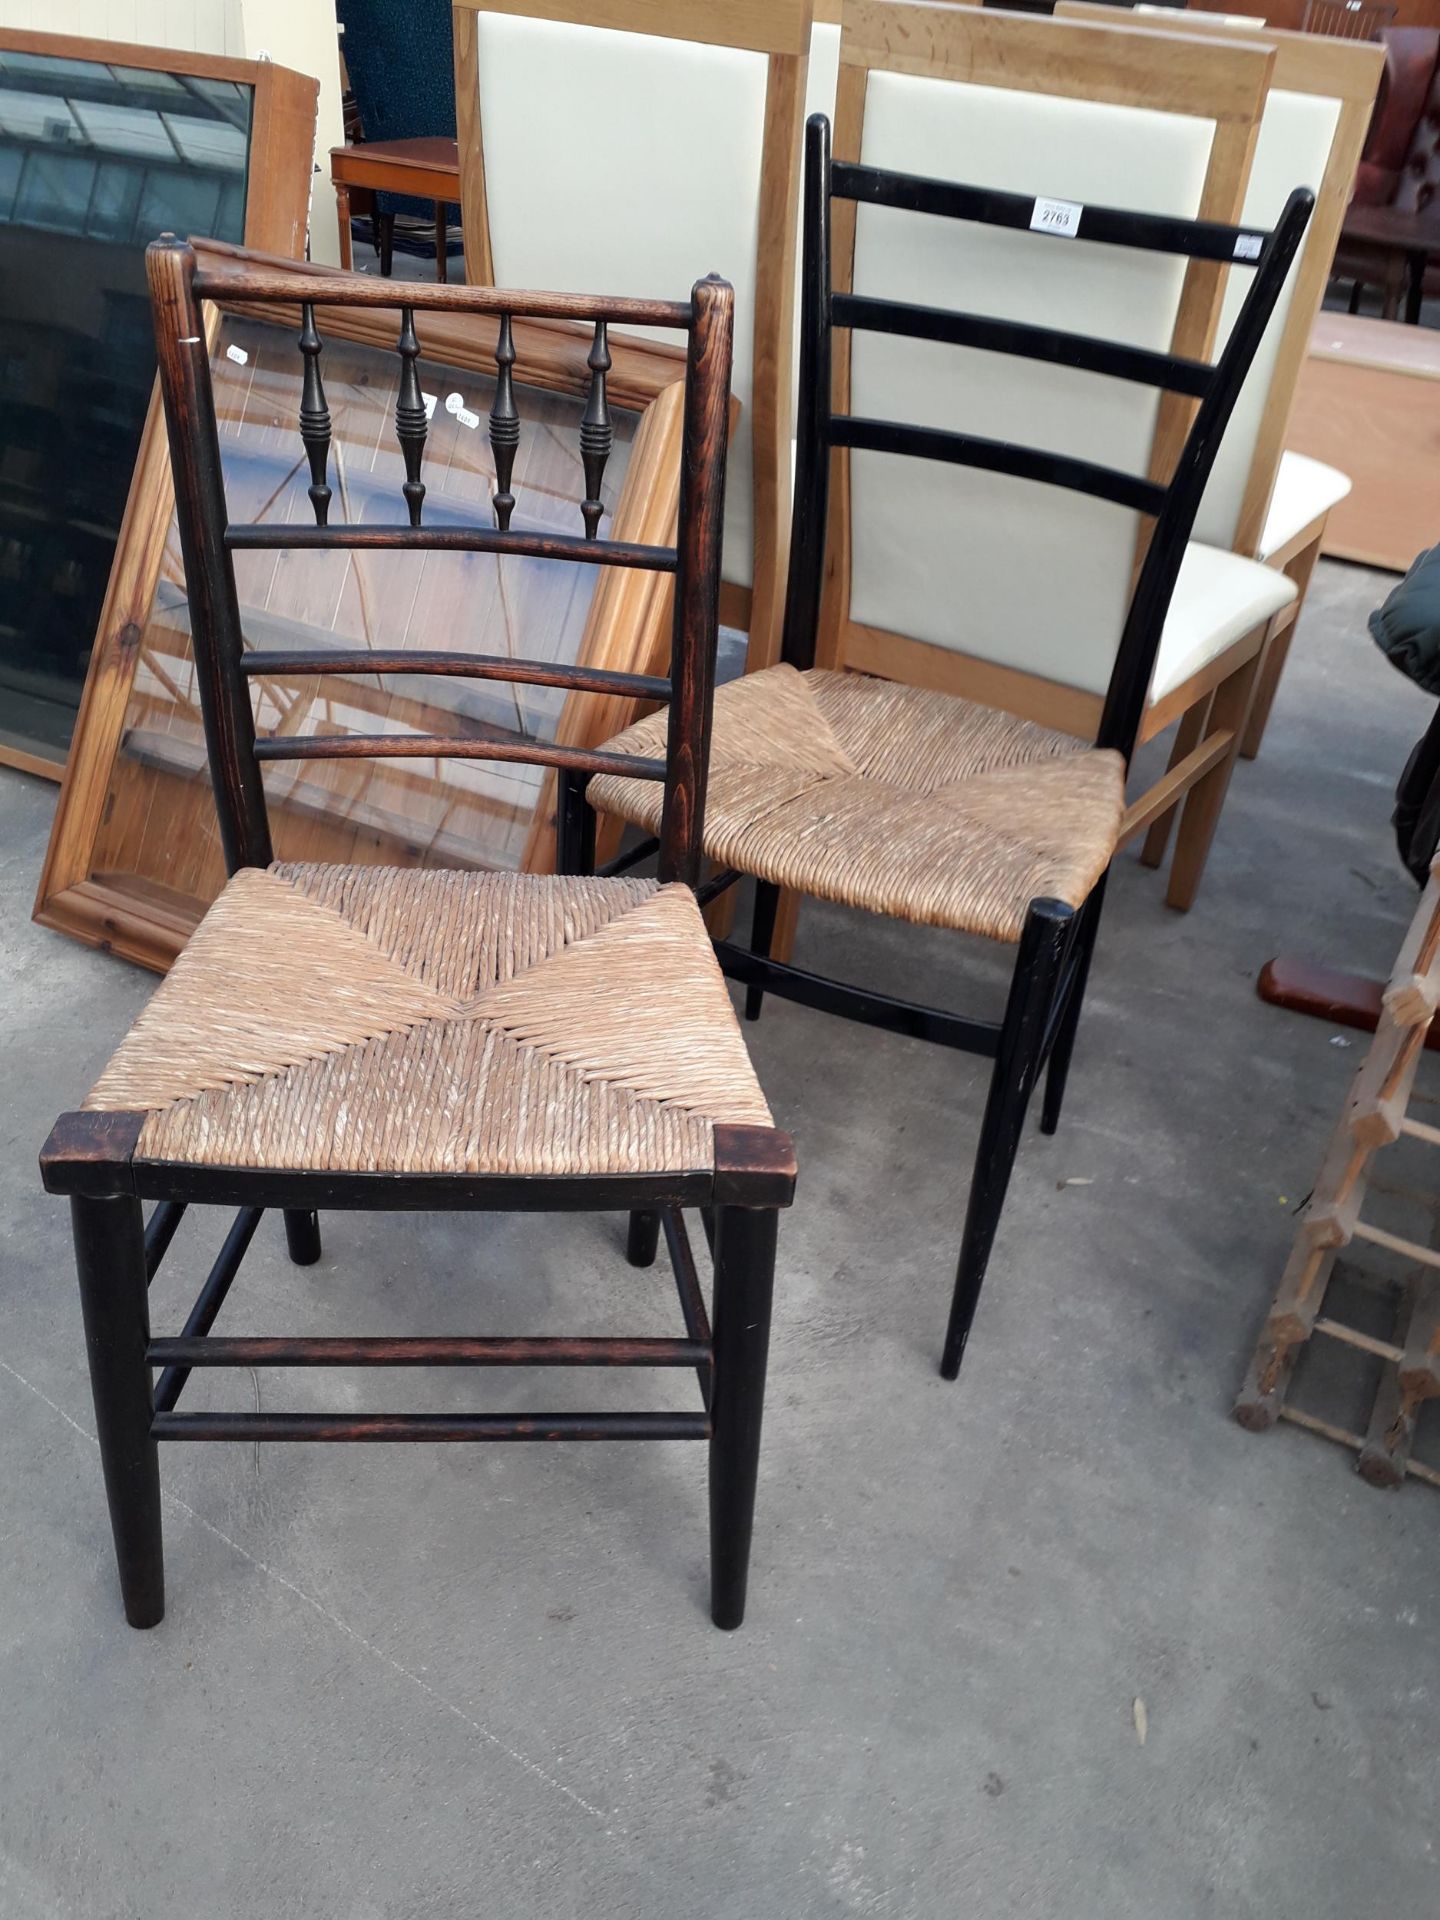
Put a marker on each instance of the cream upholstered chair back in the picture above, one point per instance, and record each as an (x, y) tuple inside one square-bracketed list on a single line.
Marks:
[(996, 568), (1312, 131), (610, 145)]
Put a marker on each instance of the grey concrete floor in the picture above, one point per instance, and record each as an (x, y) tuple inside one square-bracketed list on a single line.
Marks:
[(415, 1681)]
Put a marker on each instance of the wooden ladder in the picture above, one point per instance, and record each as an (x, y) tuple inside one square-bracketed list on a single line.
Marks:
[(1376, 1115)]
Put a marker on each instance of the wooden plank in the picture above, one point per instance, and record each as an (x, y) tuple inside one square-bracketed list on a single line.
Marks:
[(762, 26)]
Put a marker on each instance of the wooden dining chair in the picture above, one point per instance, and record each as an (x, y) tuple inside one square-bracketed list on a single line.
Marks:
[(578, 170), (381, 1038), (911, 802), (1263, 502)]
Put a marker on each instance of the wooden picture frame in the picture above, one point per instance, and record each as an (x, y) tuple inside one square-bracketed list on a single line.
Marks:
[(277, 211), (627, 624), (779, 30)]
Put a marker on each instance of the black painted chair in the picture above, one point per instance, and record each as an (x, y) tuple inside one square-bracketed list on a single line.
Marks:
[(920, 804), (396, 1039)]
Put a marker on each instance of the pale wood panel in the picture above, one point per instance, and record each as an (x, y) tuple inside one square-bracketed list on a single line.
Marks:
[(1369, 403), (764, 26)]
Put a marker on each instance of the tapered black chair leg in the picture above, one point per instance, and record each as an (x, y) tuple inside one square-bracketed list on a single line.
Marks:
[(110, 1261), (1017, 1066), (1064, 1042), (302, 1237), (744, 1284), (643, 1239), (762, 934)]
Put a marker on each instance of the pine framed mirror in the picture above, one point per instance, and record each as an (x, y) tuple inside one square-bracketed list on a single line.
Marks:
[(134, 857)]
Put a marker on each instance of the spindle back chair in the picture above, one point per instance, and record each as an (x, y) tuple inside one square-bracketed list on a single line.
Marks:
[(620, 84), (914, 803), (387, 1039)]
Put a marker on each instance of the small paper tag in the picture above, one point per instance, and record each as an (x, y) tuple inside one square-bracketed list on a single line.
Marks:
[(466, 417), (1247, 246), (238, 355), (1057, 216), (430, 405), (454, 402)]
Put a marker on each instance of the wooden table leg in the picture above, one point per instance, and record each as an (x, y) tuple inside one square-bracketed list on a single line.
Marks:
[(342, 215)]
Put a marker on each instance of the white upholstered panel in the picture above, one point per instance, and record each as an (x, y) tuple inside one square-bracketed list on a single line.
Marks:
[(1304, 490), (1292, 150), (623, 163), (823, 77), (1032, 576), (1219, 598)]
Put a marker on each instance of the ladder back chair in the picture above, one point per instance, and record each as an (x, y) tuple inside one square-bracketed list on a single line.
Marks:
[(1263, 501), (915, 803), (540, 83), (391, 1039)]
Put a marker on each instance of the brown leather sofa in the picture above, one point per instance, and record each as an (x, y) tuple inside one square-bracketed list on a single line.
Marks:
[(1393, 225)]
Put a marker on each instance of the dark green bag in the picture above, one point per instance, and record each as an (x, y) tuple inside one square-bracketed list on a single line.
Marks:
[(1407, 628)]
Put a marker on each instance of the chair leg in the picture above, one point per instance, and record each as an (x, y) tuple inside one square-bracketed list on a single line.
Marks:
[(1188, 735), (110, 1262), (1277, 649), (1205, 799), (762, 936), (1017, 1066), (385, 243), (643, 1239), (302, 1237), (1064, 1042), (744, 1284)]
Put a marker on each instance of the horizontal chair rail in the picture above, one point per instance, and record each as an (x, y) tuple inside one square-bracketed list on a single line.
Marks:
[(248, 536), (432, 746), (472, 666), (430, 1426), (998, 456), (869, 1009), (1115, 226), (377, 1351), (1052, 345), (350, 290)]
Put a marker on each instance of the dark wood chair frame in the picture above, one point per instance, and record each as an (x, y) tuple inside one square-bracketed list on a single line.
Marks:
[(92, 1157), (1043, 1007)]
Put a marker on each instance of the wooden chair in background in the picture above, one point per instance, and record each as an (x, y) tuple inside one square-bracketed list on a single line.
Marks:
[(376, 1038), (1263, 502), (577, 170), (913, 802)]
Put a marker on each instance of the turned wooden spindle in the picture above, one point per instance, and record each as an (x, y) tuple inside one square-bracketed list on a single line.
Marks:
[(597, 436), (504, 425), (410, 423), (315, 416)]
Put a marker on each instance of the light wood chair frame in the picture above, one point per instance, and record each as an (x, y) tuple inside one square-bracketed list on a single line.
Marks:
[(95, 1157), (779, 29), (1348, 71)]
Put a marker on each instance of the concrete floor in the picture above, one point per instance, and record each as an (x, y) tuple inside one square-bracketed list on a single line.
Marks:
[(411, 1681)]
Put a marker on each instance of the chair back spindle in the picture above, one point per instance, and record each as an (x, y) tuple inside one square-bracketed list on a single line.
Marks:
[(209, 539)]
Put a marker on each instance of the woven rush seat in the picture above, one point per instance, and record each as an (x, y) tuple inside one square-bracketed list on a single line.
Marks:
[(381, 1020), (899, 799)]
